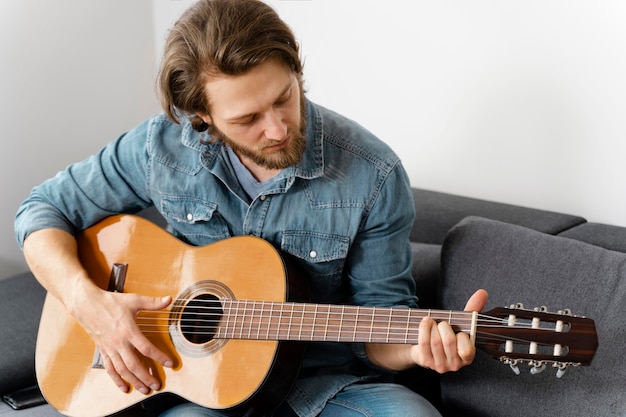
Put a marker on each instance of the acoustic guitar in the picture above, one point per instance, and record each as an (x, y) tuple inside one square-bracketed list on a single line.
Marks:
[(237, 323)]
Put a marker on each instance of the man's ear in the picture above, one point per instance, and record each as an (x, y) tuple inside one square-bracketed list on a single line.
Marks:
[(205, 118)]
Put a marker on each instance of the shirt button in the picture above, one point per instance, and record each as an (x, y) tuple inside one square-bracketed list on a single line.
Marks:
[(313, 254), (263, 197), (189, 216)]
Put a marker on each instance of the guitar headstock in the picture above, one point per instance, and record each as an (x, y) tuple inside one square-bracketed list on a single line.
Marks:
[(516, 335)]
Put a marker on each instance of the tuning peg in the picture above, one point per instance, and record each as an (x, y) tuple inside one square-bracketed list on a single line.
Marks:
[(537, 368), (512, 364)]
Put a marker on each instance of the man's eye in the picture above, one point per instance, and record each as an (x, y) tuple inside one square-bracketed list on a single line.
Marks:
[(247, 121), (284, 99)]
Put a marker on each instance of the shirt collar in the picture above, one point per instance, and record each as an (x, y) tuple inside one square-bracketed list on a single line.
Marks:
[(312, 163)]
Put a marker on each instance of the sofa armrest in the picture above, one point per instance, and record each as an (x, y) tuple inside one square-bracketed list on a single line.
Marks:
[(20, 310)]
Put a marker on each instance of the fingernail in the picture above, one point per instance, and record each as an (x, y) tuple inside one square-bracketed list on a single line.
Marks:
[(123, 388), (168, 364), (155, 387), (143, 390)]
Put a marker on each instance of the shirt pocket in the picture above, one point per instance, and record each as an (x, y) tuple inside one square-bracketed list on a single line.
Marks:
[(322, 258), (193, 220)]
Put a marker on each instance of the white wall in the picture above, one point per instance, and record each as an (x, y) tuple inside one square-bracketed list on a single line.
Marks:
[(520, 102), (73, 76)]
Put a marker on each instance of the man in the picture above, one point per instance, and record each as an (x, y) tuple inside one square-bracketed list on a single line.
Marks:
[(241, 151)]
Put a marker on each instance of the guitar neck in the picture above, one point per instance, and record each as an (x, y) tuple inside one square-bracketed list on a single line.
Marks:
[(260, 320)]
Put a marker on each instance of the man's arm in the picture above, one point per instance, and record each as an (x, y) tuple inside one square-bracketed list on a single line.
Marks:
[(439, 348), (108, 317)]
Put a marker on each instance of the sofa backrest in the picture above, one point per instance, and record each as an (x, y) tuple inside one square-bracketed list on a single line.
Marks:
[(519, 265), (437, 212)]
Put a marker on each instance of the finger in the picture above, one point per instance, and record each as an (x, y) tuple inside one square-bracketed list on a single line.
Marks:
[(153, 303), (425, 358), (132, 368), (113, 374), (449, 343), (465, 348), (126, 360), (437, 349), (477, 301), (149, 350), (142, 343), (119, 371)]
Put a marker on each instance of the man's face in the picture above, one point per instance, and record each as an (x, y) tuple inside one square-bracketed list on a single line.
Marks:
[(259, 114)]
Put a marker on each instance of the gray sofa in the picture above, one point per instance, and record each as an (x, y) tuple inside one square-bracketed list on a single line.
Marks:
[(519, 254)]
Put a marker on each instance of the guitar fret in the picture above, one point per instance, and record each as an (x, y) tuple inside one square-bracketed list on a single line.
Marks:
[(290, 320), (372, 324), (243, 319), (314, 322), (269, 321), (326, 325), (356, 323), (259, 318), (279, 314), (389, 325), (302, 315), (251, 323), (341, 317), (235, 321), (408, 327)]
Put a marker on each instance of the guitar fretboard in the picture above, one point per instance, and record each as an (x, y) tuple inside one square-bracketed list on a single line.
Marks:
[(261, 320)]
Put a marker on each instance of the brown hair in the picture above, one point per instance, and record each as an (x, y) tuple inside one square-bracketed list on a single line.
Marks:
[(219, 37)]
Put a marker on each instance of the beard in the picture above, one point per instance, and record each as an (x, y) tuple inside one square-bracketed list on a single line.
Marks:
[(281, 158)]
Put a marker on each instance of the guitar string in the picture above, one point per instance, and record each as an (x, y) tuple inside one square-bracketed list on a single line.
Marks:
[(481, 336), (300, 310), (391, 331), (275, 334), (330, 314)]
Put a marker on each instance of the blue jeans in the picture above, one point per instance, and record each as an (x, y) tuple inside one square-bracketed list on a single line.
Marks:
[(359, 400)]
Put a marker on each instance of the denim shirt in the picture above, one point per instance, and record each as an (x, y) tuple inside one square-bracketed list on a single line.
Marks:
[(344, 212)]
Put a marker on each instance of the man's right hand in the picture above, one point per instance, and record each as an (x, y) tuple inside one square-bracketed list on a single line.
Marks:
[(109, 318)]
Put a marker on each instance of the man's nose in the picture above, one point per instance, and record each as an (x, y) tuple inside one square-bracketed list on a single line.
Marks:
[(275, 128)]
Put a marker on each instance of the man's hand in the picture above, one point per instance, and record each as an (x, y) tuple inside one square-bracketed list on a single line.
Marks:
[(439, 348), (109, 318)]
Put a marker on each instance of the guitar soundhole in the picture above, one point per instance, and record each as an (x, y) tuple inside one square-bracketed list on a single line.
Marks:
[(195, 318), (200, 318)]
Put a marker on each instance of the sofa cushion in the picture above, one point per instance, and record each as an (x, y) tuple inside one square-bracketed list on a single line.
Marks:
[(519, 265), (437, 212), (20, 310)]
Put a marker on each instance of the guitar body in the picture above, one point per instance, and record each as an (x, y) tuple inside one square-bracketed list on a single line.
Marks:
[(219, 374)]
